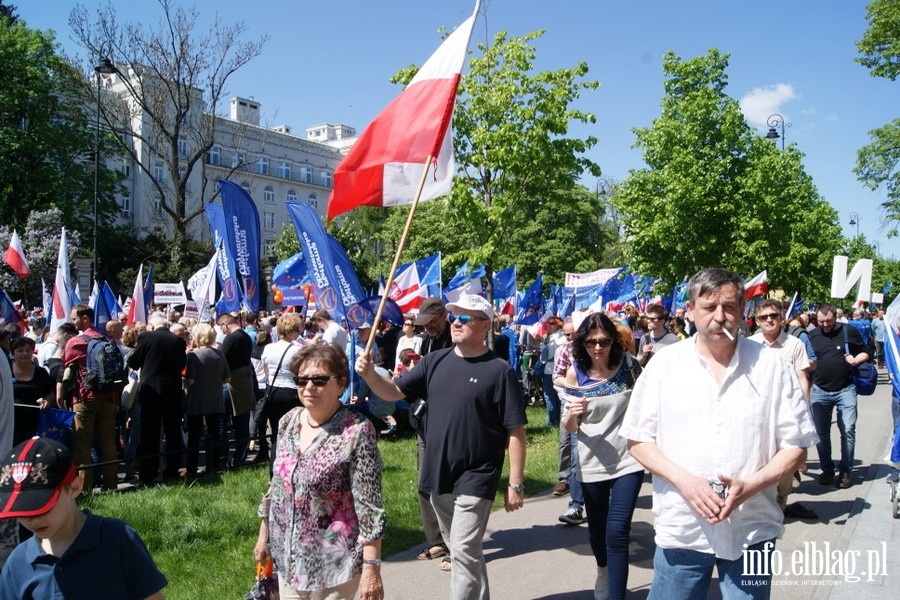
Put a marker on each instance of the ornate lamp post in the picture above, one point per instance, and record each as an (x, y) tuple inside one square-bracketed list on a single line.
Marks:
[(854, 220), (775, 121)]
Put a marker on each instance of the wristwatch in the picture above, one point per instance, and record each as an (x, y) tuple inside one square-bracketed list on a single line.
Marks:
[(372, 561), (518, 488)]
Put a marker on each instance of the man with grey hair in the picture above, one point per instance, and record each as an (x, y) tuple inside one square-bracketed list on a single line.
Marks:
[(161, 357), (718, 420)]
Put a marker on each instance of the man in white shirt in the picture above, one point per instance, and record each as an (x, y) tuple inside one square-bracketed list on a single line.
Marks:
[(332, 332), (718, 420)]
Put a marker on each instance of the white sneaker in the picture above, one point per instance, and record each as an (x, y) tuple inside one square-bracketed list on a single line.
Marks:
[(573, 516)]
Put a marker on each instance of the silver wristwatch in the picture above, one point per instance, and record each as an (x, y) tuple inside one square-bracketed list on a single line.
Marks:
[(372, 561), (518, 488)]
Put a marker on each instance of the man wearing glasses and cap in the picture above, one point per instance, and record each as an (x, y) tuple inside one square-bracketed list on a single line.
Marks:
[(433, 317), (475, 410)]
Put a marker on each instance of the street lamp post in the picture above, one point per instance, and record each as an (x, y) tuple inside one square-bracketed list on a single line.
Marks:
[(854, 220), (104, 67), (774, 121)]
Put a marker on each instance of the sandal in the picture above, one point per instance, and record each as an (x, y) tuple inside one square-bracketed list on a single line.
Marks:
[(445, 564), (436, 551)]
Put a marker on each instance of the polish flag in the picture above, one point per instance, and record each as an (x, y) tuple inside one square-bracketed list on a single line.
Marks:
[(15, 257), (62, 298), (385, 165), (758, 286), (406, 289), (137, 310)]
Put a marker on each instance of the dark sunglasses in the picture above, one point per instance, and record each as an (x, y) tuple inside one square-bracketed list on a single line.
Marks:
[(317, 380), (603, 343), (463, 319), (767, 316)]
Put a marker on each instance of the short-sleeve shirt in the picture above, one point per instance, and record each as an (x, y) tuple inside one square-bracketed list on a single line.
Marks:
[(472, 402), (832, 371), (711, 429), (108, 559)]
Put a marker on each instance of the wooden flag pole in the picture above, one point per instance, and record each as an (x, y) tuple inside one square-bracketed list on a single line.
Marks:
[(400, 247)]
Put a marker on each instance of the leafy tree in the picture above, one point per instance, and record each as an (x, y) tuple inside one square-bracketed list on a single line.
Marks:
[(715, 194), (880, 44), (9, 12), (172, 76), (876, 162), (46, 136)]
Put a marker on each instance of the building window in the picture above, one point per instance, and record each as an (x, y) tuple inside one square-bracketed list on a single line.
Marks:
[(325, 178), (246, 186), (126, 203), (182, 147), (284, 170), (263, 165), (157, 207), (306, 174), (215, 155), (291, 196), (237, 159), (269, 194), (126, 167), (269, 247), (314, 201), (269, 220), (158, 170)]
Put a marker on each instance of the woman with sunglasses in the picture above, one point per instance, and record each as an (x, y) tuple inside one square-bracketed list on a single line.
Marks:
[(322, 518), (598, 388)]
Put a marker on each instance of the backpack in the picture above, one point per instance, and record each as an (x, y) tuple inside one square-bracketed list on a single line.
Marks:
[(104, 366)]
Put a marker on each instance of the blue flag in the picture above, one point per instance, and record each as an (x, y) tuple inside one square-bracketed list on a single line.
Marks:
[(464, 274), (9, 313), (111, 302), (230, 299), (242, 235), (351, 292), (327, 287), (391, 313), (102, 312), (429, 270), (531, 306), (291, 273), (149, 288), (505, 283)]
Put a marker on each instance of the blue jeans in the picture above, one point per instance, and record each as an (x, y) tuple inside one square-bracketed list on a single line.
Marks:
[(551, 400), (686, 575), (822, 405), (610, 507), (576, 494)]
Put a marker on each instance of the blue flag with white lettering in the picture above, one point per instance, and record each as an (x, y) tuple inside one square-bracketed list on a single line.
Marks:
[(317, 252), (230, 298), (242, 235)]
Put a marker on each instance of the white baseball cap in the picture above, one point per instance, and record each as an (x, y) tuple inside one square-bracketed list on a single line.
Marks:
[(472, 302)]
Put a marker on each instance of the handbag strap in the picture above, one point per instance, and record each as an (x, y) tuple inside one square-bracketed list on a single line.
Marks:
[(846, 339), (277, 369)]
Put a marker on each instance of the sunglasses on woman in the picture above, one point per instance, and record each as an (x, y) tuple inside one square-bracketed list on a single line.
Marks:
[(602, 342), (317, 380)]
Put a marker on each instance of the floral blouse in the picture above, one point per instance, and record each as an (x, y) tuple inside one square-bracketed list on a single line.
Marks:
[(325, 503)]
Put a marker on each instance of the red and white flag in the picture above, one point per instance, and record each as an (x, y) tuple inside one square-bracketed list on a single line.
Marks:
[(758, 286), (15, 256), (406, 289), (62, 296), (137, 311), (385, 164)]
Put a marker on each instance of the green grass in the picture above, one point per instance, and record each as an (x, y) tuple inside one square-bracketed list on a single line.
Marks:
[(201, 534)]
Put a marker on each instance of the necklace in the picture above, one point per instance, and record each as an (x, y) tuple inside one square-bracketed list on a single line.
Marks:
[(323, 423)]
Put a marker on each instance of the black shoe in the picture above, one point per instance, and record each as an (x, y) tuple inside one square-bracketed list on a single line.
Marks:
[(798, 511), (826, 478)]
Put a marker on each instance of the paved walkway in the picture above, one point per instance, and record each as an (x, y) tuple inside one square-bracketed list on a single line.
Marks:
[(532, 556)]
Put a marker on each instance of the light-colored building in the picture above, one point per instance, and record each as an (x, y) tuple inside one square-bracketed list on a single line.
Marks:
[(271, 163)]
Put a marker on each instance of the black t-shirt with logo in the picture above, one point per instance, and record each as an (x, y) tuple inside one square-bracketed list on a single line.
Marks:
[(832, 370)]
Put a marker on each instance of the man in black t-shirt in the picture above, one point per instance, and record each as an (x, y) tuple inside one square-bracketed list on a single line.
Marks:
[(475, 411), (838, 348)]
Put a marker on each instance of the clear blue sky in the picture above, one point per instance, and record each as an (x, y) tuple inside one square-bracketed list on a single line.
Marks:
[(329, 61)]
